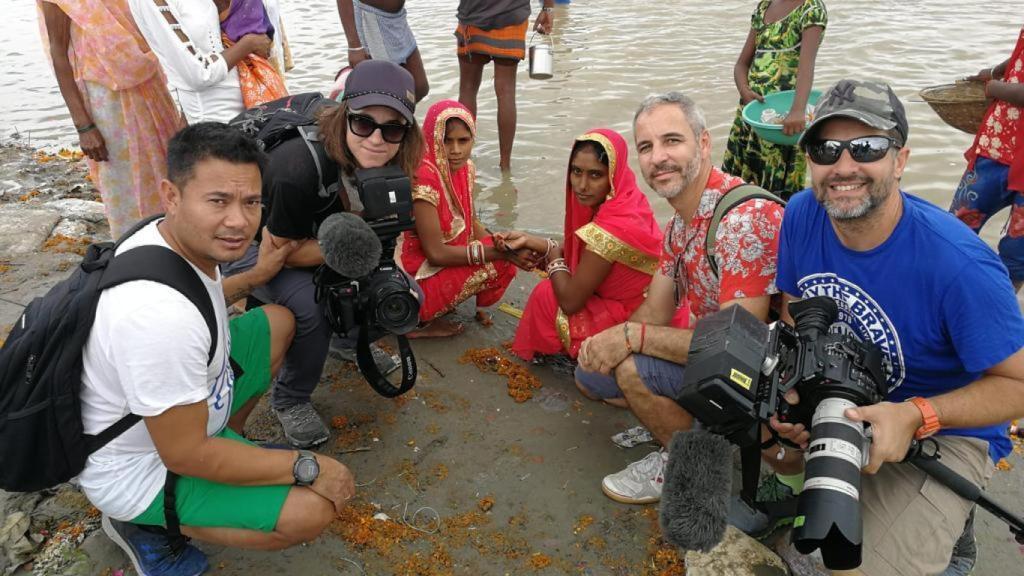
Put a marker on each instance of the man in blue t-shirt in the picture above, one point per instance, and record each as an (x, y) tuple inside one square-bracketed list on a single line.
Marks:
[(934, 298)]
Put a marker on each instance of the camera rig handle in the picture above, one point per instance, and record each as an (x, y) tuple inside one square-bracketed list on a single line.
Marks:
[(377, 381), (927, 460)]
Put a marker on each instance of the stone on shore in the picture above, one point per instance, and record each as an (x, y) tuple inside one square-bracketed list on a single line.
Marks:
[(737, 555), (23, 230), (78, 209)]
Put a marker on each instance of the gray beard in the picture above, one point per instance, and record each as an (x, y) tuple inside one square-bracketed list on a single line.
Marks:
[(878, 192), (690, 173)]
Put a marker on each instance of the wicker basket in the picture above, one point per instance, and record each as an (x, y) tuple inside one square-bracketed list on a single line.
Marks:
[(961, 105)]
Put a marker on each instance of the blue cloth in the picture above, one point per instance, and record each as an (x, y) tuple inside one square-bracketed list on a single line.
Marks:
[(661, 377), (933, 297)]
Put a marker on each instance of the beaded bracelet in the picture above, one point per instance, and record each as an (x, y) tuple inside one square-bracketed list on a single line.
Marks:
[(625, 332)]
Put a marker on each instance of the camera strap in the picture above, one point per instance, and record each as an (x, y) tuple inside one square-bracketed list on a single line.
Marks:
[(368, 367)]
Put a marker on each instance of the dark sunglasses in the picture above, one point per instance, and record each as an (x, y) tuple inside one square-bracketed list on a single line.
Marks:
[(864, 149), (364, 127)]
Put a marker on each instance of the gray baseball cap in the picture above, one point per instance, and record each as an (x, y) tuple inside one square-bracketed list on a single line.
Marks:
[(873, 103), (381, 83)]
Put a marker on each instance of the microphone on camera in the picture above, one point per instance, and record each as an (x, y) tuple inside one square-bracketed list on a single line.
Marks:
[(695, 496), (350, 247)]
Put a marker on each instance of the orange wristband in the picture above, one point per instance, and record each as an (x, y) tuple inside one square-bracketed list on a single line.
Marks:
[(931, 418)]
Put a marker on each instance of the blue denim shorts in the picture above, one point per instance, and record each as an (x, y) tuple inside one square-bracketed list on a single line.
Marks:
[(661, 377)]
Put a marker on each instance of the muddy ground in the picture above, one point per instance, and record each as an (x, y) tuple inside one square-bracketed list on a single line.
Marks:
[(461, 478)]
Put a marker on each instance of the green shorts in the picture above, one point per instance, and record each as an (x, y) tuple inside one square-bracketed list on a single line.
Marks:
[(203, 503)]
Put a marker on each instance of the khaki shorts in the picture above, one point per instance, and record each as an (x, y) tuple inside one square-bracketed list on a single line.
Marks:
[(911, 521)]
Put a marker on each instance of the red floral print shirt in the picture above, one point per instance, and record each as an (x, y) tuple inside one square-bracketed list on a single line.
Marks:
[(746, 250)]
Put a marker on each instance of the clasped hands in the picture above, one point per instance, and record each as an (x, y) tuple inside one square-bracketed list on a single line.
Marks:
[(522, 249)]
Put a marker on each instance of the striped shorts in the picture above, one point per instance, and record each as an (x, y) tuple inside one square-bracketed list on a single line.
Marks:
[(508, 42)]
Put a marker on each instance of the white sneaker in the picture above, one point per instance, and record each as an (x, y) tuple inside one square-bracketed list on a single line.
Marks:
[(638, 483)]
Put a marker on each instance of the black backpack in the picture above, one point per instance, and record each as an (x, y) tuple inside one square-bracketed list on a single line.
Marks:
[(42, 441), (280, 120)]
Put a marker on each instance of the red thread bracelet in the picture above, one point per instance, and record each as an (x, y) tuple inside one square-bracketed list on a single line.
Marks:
[(643, 333)]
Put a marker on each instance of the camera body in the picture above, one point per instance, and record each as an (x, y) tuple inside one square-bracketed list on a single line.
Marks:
[(737, 373), (384, 300)]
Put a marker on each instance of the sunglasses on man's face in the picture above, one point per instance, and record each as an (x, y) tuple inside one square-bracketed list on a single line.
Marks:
[(865, 149), (365, 126)]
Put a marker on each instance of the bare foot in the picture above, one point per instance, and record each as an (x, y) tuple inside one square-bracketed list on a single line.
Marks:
[(484, 318), (440, 328)]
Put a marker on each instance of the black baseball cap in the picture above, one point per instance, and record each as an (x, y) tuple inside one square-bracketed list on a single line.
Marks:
[(381, 83), (873, 103)]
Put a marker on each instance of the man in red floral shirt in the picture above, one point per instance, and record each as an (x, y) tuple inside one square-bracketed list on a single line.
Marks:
[(639, 364), (994, 178)]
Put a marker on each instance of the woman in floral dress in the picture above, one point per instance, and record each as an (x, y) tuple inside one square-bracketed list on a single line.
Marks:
[(779, 54)]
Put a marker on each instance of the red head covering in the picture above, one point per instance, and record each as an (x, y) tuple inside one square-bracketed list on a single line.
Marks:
[(623, 228), (454, 189)]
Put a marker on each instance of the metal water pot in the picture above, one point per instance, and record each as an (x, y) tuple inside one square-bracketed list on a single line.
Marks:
[(542, 60)]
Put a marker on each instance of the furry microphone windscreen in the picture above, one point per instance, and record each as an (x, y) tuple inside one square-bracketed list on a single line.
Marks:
[(350, 247), (698, 484)]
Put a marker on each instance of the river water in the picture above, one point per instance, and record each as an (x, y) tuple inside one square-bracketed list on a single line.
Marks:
[(608, 56)]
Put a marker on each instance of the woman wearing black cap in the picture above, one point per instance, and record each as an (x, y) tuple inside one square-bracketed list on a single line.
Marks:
[(373, 126)]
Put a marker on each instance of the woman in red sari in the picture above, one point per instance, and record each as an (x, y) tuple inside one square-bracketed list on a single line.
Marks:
[(450, 253), (611, 248)]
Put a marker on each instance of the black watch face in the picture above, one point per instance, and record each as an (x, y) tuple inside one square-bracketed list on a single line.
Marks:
[(306, 470)]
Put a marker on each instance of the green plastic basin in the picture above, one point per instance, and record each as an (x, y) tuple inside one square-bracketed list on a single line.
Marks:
[(781, 102)]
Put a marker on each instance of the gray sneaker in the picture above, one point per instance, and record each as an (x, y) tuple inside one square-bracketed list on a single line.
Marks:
[(302, 425), (965, 551), (640, 482), (386, 363)]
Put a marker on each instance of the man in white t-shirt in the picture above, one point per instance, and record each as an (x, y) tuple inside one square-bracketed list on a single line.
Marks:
[(147, 354)]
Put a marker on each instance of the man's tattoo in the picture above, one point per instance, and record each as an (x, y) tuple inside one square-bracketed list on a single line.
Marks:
[(237, 295)]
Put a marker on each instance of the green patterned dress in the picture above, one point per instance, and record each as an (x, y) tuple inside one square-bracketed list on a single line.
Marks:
[(780, 169)]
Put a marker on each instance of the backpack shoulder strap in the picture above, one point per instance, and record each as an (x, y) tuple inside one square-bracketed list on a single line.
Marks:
[(136, 227), (311, 136), (163, 265), (734, 197)]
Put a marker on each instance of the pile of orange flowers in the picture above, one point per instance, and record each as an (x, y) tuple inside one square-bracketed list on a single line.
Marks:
[(521, 383)]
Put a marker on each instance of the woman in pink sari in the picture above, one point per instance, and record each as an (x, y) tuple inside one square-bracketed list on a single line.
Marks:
[(611, 249), (118, 100), (450, 253)]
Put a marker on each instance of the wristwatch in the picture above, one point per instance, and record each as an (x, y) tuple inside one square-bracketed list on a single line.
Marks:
[(306, 468), (931, 419)]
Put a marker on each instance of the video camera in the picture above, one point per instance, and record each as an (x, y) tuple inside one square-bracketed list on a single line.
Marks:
[(737, 374), (363, 290)]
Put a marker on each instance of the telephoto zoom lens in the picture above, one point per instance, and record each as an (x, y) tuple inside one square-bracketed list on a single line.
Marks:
[(828, 513)]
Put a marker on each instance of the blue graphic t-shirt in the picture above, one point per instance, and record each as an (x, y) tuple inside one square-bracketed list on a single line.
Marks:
[(933, 297)]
